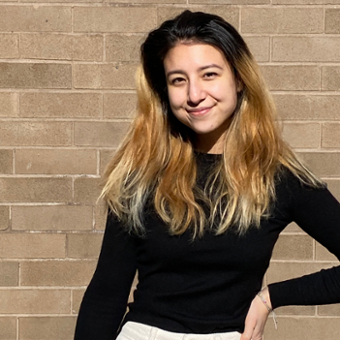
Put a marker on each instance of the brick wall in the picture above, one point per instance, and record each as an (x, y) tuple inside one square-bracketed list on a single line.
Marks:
[(66, 97)]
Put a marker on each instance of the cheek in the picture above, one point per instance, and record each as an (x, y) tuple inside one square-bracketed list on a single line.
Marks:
[(175, 98), (230, 97), (176, 104)]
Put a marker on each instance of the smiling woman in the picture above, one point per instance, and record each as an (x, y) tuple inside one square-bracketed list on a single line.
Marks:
[(202, 92), (198, 194)]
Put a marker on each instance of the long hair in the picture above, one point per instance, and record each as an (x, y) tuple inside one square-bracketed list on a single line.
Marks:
[(156, 161)]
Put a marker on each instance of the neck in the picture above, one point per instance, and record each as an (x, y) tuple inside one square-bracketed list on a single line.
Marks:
[(209, 145)]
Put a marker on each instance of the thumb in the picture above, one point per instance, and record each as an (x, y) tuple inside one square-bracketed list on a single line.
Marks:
[(248, 331)]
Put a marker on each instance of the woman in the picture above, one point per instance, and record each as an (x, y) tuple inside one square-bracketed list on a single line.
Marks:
[(198, 194)]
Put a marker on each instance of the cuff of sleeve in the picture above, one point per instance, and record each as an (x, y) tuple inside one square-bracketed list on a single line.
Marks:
[(278, 298)]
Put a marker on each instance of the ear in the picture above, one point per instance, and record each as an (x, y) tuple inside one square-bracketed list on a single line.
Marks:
[(239, 85)]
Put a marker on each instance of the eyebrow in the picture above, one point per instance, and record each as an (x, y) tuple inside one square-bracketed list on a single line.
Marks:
[(200, 69)]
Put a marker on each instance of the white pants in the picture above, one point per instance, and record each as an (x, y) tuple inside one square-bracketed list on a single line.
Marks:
[(139, 331)]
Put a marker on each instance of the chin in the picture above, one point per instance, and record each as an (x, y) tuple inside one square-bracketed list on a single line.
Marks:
[(203, 131)]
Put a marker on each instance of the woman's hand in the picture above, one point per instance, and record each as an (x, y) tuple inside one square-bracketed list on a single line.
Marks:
[(256, 317)]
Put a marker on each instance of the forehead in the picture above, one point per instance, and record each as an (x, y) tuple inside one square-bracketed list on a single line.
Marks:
[(191, 55)]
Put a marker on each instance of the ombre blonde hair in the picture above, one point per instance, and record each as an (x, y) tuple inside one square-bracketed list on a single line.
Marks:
[(156, 163)]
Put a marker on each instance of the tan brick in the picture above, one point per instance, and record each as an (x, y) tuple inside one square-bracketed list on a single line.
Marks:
[(35, 19), (330, 135), (31, 246), (84, 245), (329, 310), (302, 135), (280, 271), (9, 46), (53, 328), (35, 75), (100, 133), (64, 1), (293, 247), (301, 48), (331, 78), (55, 161), (105, 157), (297, 107), (86, 190), (8, 104), (292, 77), (6, 161), (281, 20), (151, 1), (9, 274), (35, 190), (295, 310), (123, 47), (293, 228), (322, 164), (332, 22), (304, 2), (259, 47), (35, 133), (78, 105), (119, 105), (334, 187), (228, 13), (322, 254), (294, 328), (62, 46), (56, 273), (77, 297), (34, 301), (100, 216), (4, 218), (169, 12), (52, 217), (8, 328), (133, 288), (294, 107), (104, 76), (114, 19), (230, 2)]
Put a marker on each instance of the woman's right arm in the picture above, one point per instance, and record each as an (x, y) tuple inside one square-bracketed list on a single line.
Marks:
[(105, 300)]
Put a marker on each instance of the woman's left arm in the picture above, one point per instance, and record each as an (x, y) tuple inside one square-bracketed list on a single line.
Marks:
[(317, 212)]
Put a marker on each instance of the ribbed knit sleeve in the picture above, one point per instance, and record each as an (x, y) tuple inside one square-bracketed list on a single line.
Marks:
[(105, 300), (317, 212)]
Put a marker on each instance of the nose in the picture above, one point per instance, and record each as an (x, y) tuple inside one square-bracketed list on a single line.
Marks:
[(196, 92)]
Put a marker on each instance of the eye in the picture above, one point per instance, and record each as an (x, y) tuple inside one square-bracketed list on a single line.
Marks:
[(210, 75), (177, 81)]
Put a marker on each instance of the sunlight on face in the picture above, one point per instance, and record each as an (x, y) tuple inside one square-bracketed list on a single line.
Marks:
[(202, 91)]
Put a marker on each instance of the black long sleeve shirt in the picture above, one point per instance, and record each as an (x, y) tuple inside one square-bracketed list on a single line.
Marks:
[(207, 285)]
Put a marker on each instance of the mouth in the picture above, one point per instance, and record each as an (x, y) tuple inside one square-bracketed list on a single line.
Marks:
[(199, 111)]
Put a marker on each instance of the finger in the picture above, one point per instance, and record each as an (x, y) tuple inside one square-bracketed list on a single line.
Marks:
[(257, 335), (248, 331), (246, 336)]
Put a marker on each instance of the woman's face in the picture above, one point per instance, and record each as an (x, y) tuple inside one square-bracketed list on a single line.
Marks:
[(202, 92)]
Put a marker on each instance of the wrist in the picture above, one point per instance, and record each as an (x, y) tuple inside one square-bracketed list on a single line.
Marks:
[(265, 298)]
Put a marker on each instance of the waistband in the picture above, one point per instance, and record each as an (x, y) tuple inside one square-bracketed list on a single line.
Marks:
[(138, 331)]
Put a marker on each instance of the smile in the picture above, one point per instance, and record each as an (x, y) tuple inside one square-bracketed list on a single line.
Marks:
[(199, 112)]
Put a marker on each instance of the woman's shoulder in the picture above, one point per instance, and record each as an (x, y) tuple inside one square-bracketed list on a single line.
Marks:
[(284, 176), (293, 186)]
